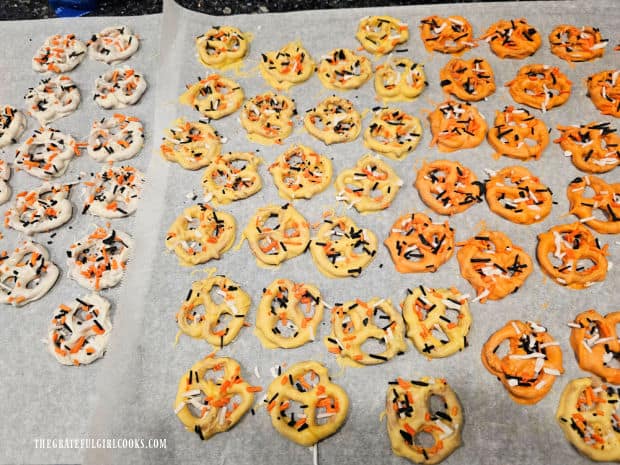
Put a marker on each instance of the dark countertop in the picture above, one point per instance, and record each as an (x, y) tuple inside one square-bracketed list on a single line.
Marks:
[(34, 9)]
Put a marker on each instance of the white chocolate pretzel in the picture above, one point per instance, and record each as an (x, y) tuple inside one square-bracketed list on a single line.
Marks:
[(46, 154), (98, 260), (113, 45), (79, 332), (12, 124), (119, 88), (26, 275), (53, 98), (115, 139), (59, 54), (5, 174), (40, 210), (114, 192)]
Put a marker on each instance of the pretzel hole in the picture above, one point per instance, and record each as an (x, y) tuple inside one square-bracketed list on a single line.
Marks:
[(336, 234), (502, 350), (380, 318), (424, 440), (294, 412), (37, 150), (192, 223), (217, 295), (439, 334), (373, 345), (437, 403), (220, 178), (584, 265), (8, 283), (614, 361), (307, 382), (239, 164), (191, 246), (287, 330), (452, 315), (222, 323), (295, 161), (272, 222), (194, 408), (215, 374), (323, 414)]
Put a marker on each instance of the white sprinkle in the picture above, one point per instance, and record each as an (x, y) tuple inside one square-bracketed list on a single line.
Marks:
[(179, 408), (515, 327), (540, 385), (585, 220), (549, 344), (256, 372), (482, 295), (193, 392), (552, 371), (574, 325), (585, 344), (527, 356), (513, 382)]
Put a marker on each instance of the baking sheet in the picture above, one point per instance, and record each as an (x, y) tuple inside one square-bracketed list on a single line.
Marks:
[(39, 398), (139, 379)]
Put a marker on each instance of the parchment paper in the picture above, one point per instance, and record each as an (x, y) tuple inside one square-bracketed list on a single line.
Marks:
[(39, 398), (139, 379)]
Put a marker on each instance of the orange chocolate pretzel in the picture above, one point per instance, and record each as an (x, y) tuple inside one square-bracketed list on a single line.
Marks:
[(595, 342), (605, 197), (448, 187), (518, 134), (593, 147), (456, 126), (493, 265), (533, 361), (517, 195), (540, 86), (418, 245), (572, 245), (469, 80), (453, 34), (604, 91), (513, 38), (572, 43)]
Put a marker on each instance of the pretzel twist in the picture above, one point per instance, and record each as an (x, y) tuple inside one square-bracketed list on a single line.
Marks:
[(12, 125), (214, 96), (469, 80), (575, 44), (399, 79), (47, 153), (334, 120), (456, 126), (119, 88), (604, 91), (453, 34), (40, 210), (513, 38), (357, 322), (201, 234), (268, 118), (113, 45), (540, 86), (191, 144), (301, 173), (115, 139), (5, 189), (530, 366), (342, 69), (571, 244), (593, 147), (393, 133), (221, 46), (417, 245), (306, 386), (222, 317), (232, 176), (516, 133), (53, 98), (114, 192), (605, 197), (284, 68), (381, 34)]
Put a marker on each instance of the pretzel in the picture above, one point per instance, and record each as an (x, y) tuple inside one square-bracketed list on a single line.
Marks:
[(456, 126), (605, 197), (40, 210), (493, 265), (221, 46), (516, 133), (334, 120), (596, 345), (59, 54), (588, 415), (98, 260), (575, 44), (304, 405), (469, 80), (213, 397), (411, 414), (399, 79), (114, 192), (341, 249), (12, 124), (53, 98), (357, 322), (119, 88), (540, 86), (438, 320), (342, 69), (26, 275), (274, 243), (300, 173), (80, 331), (604, 91), (216, 320), (593, 147), (531, 364), (113, 45), (191, 144), (284, 68), (200, 234), (5, 189), (214, 96), (115, 139), (267, 118), (453, 34), (381, 34), (570, 244), (518, 196), (369, 186), (289, 314), (417, 245), (46, 153), (393, 133), (232, 176), (448, 187), (513, 38)]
